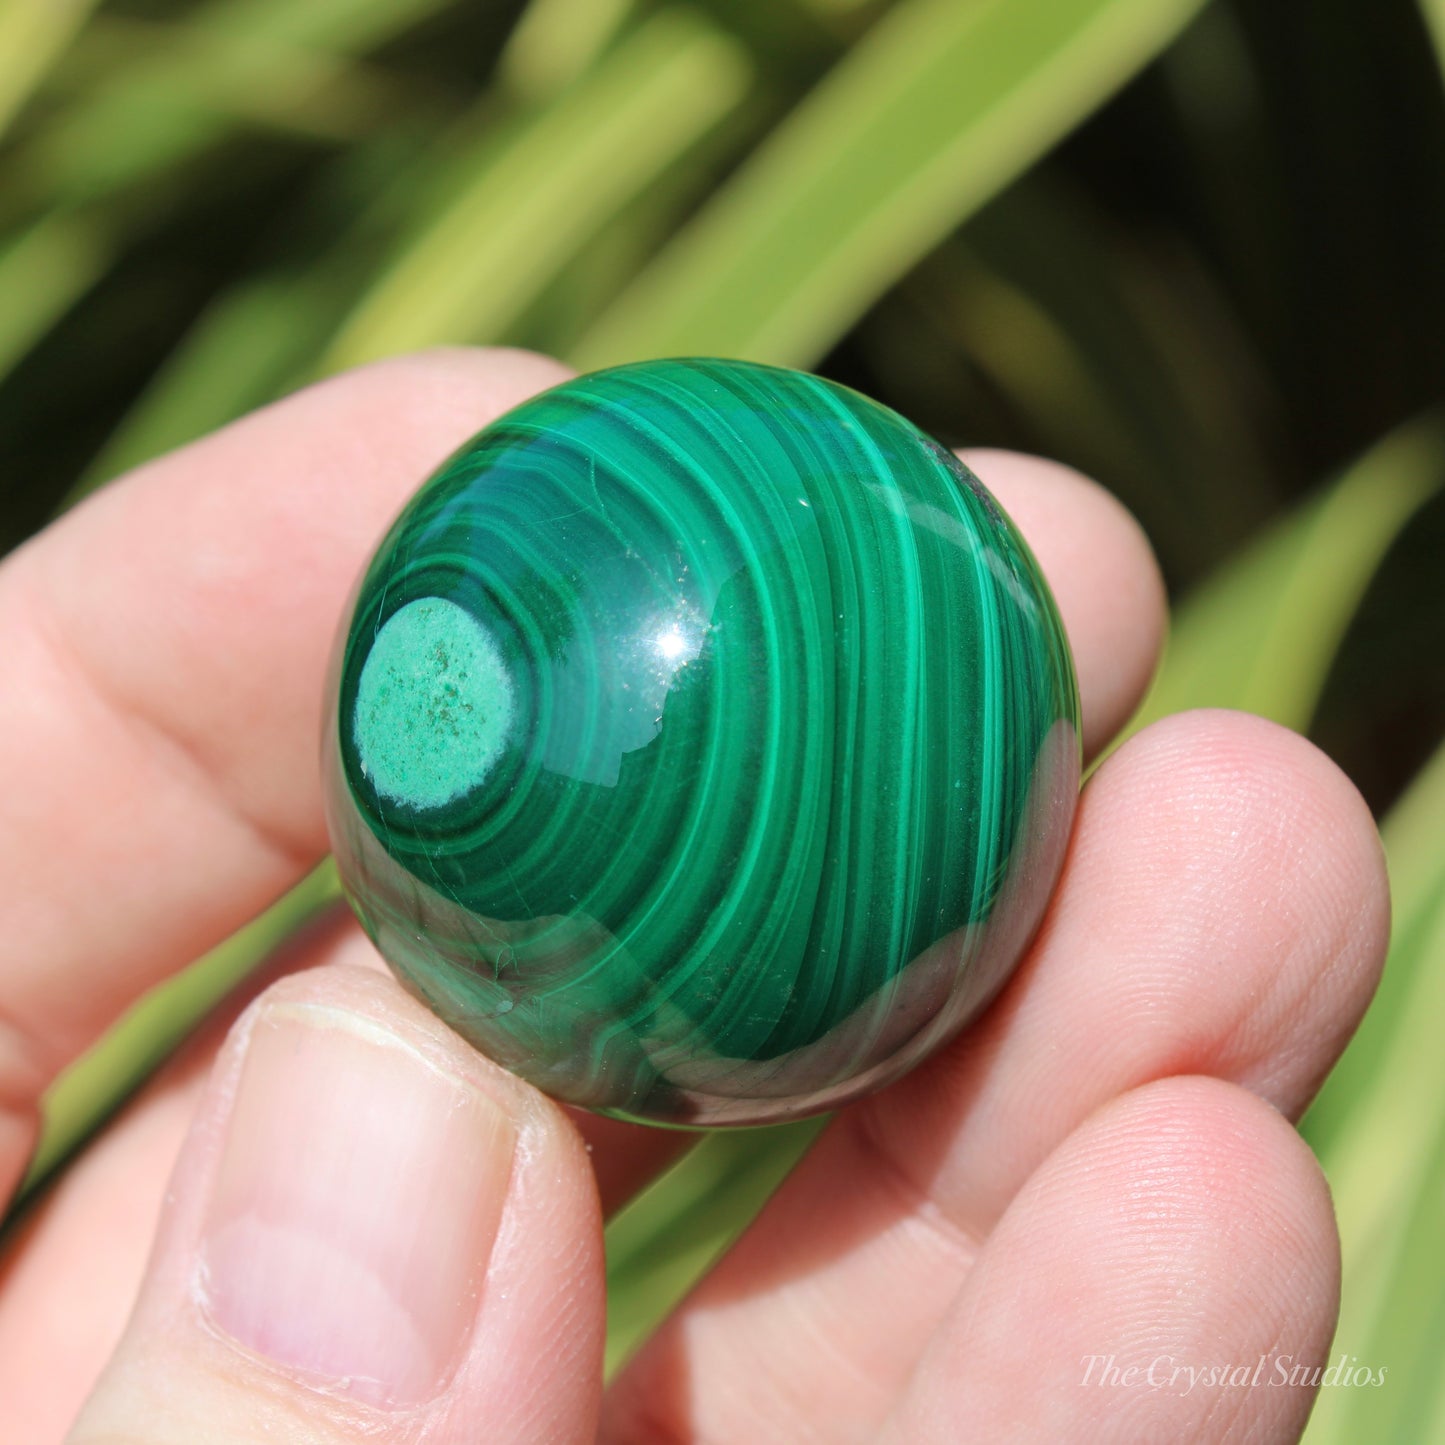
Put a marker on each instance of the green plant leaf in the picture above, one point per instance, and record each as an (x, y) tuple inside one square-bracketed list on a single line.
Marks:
[(667, 1238), (1262, 634), (237, 356), (1379, 1129), (936, 108), (1072, 326), (531, 197), (311, 90), (92, 1089), (142, 117), (32, 34), (1156, 335), (533, 203), (555, 41), (1434, 13), (1412, 837), (43, 272)]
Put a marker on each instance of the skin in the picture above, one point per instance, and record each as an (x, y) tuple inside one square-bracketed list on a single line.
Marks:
[(1105, 1165)]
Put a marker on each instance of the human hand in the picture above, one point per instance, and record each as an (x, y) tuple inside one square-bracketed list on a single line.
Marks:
[(371, 1233)]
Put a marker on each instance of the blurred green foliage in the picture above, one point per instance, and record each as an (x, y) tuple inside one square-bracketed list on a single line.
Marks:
[(1193, 248)]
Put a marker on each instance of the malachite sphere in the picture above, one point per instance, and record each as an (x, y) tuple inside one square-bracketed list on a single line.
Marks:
[(702, 743)]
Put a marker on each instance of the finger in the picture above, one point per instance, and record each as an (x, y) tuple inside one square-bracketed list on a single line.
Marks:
[(1170, 1273), (371, 1233), (1223, 909), (69, 1272), (71, 1265), (161, 698), (1102, 573)]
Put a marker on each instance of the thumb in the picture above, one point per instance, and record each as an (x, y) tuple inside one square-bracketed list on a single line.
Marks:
[(372, 1234)]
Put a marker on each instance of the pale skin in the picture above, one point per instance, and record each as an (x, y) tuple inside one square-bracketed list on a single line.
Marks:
[(1104, 1166)]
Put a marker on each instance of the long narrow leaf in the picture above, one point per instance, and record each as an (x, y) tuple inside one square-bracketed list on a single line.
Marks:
[(1379, 1128), (532, 199), (43, 272), (1434, 13), (556, 41), (311, 90), (32, 34), (91, 1089), (487, 256), (940, 105), (147, 116), (237, 356), (1417, 887), (1263, 633), (1078, 325), (667, 1238)]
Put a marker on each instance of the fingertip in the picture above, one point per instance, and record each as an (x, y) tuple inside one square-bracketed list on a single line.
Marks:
[(1233, 1161), (1102, 572), (371, 1230), (1252, 810), (486, 379), (1171, 1271), (402, 415)]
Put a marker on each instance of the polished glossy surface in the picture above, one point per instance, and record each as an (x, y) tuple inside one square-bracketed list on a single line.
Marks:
[(703, 744)]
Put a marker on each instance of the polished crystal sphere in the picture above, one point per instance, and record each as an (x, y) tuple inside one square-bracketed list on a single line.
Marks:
[(702, 743)]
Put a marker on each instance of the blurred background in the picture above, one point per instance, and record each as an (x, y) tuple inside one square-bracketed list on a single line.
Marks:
[(1194, 247)]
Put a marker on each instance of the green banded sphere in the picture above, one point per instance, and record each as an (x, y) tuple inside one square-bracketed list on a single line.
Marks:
[(702, 743)]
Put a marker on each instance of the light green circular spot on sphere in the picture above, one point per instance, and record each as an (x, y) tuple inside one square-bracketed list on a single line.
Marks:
[(434, 705)]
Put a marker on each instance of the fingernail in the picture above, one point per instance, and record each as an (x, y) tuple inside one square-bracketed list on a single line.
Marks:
[(357, 1201)]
